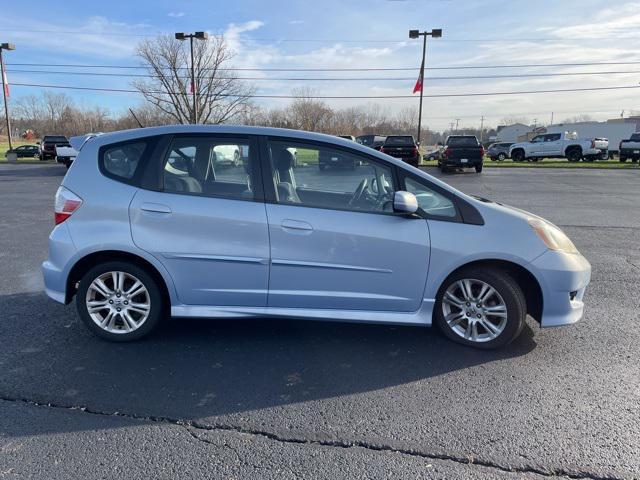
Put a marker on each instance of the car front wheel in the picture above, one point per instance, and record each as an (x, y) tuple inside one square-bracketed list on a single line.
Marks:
[(119, 301), (483, 308)]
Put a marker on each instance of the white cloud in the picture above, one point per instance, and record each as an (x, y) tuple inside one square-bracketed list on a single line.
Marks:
[(175, 14), (296, 22)]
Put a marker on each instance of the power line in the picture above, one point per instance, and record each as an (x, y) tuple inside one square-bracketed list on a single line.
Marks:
[(333, 40), (235, 69), (336, 97), (462, 77)]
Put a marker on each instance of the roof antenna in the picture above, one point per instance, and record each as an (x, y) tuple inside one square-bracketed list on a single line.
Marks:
[(136, 118)]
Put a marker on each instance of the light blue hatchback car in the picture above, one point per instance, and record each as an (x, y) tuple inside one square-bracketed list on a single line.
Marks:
[(156, 222)]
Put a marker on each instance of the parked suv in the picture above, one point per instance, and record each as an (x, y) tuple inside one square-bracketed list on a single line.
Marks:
[(403, 147), (149, 225), (498, 151), (462, 151), (49, 144)]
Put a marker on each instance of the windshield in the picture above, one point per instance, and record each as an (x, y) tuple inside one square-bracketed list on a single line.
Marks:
[(56, 138)]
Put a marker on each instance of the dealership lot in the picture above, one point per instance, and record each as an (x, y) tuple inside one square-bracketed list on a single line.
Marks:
[(282, 399)]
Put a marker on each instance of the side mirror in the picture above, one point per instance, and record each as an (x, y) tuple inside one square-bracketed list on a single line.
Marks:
[(405, 202)]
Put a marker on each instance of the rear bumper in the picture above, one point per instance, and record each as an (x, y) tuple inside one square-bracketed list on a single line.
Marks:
[(457, 162), (630, 153), (54, 269), (563, 279)]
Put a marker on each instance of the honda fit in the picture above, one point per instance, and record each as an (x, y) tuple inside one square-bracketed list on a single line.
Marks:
[(156, 222)]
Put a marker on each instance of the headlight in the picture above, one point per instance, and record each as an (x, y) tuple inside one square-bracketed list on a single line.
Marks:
[(552, 236)]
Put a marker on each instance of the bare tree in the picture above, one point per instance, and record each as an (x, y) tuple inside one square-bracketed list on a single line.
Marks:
[(306, 113), (220, 94)]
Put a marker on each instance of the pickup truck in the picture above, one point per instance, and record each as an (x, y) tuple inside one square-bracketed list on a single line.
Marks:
[(403, 147), (66, 154), (462, 151), (49, 144), (630, 148), (555, 145)]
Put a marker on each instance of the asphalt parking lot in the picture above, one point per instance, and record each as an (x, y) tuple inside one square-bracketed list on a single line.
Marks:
[(287, 399)]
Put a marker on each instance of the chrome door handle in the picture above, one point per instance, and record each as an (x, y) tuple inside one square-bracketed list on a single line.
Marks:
[(155, 208)]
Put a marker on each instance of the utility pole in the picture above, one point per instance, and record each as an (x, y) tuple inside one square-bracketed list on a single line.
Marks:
[(451, 125), (435, 33), (457, 123), (191, 36), (6, 46), (551, 118), (481, 127)]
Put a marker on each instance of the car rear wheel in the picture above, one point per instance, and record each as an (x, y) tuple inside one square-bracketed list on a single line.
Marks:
[(501, 157), (483, 308), (478, 168), (622, 159), (119, 301)]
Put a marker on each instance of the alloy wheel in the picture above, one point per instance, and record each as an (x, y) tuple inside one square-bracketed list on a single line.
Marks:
[(118, 302), (474, 310)]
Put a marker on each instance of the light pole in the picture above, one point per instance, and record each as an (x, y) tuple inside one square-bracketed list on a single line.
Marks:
[(6, 46), (435, 33), (191, 36)]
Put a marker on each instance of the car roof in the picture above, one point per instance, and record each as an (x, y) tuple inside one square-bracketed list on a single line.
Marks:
[(124, 135)]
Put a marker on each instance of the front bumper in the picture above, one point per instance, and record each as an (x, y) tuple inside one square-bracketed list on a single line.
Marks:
[(563, 278)]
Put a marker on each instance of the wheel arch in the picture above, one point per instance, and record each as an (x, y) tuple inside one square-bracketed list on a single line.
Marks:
[(523, 277), (85, 263)]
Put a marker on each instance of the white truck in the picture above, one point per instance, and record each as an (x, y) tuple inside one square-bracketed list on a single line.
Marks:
[(66, 155), (557, 145)]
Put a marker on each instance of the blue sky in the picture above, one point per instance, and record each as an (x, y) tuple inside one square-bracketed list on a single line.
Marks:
[(353, 34)]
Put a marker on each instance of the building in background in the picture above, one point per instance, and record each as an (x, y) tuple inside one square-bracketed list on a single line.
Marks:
[(511, 133)]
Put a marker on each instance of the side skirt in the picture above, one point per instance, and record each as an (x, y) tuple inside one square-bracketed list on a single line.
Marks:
[(419, 317)]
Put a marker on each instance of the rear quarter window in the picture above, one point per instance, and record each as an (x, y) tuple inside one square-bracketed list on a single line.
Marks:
[(123, 161)]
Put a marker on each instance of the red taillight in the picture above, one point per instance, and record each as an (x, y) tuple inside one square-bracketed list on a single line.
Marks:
[(447, 152), (593, 144), (66, 203), (481, 151), (382, 149), (415, 151)]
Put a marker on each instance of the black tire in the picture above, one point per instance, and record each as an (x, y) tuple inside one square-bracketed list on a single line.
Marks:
[(518, 156), (501, 157), (622, 159), (478, 168), (156, 310), (574, 154), (321, 166), (507, 288)]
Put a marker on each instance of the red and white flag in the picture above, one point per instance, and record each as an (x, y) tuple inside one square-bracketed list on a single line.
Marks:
[(5, 82), (191, 89), (418, 87)]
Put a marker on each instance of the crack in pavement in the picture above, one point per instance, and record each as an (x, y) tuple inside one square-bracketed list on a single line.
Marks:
[(194, 424)]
